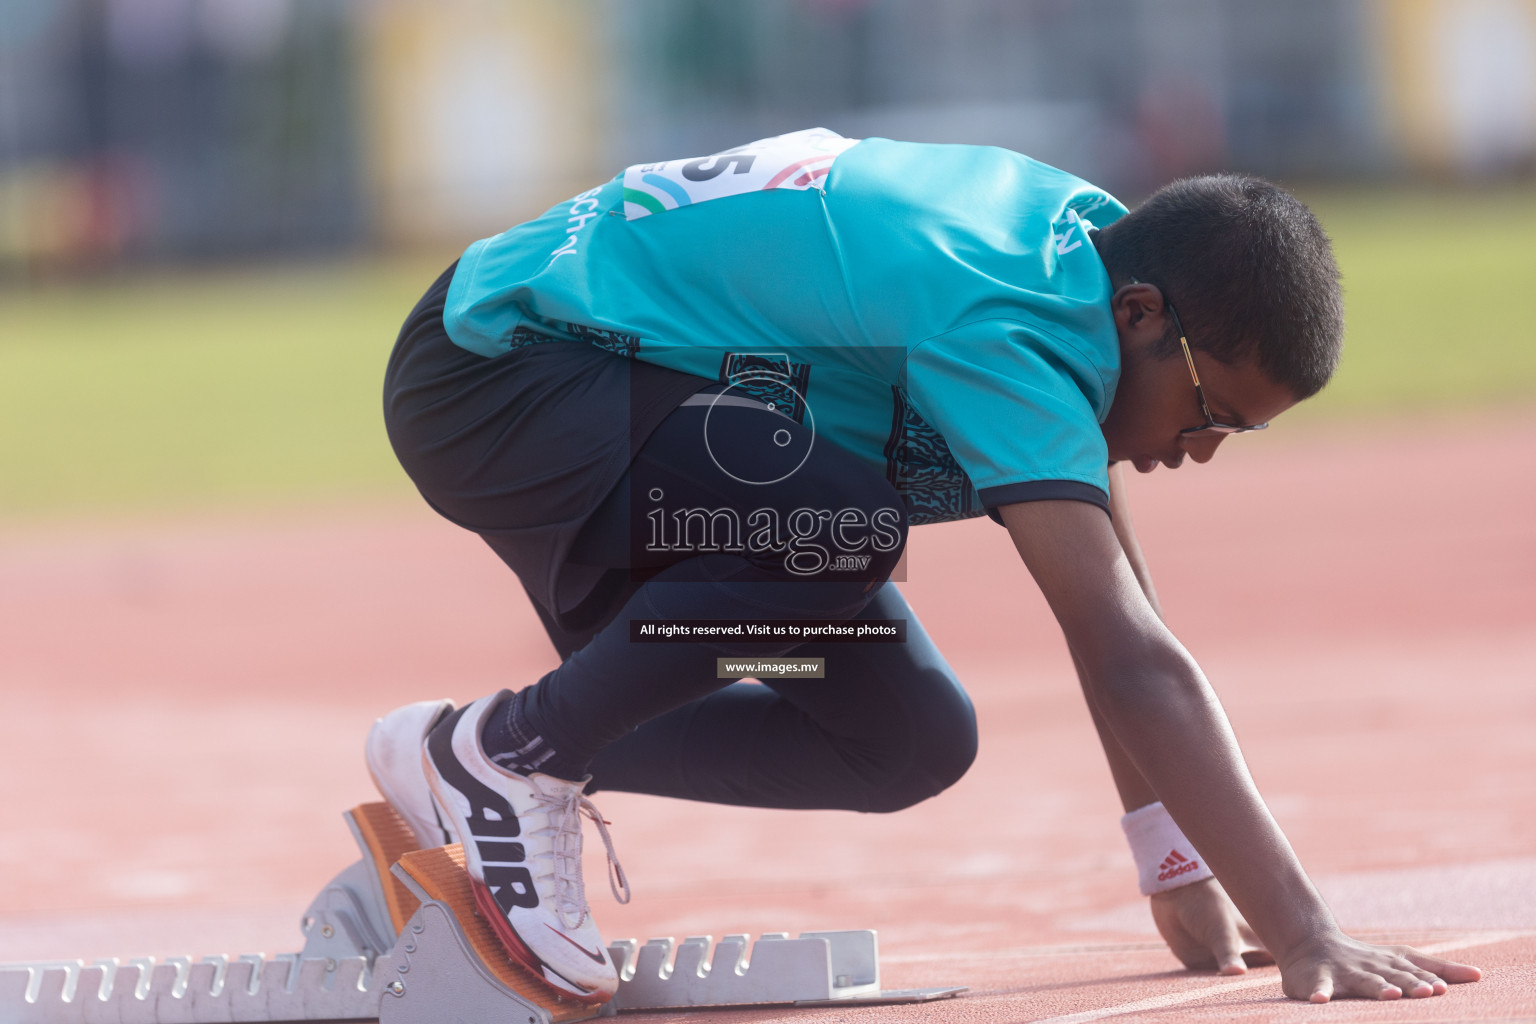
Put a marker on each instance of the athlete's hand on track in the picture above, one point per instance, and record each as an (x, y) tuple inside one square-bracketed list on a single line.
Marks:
[(1204, 930), (1337, 966)]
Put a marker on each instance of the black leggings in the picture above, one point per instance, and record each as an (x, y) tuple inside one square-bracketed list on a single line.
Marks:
[(888, 726)]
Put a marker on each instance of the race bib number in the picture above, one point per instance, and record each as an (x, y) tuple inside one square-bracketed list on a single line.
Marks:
[(799, 160)]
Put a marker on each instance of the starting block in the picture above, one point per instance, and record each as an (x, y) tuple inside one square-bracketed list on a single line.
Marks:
[(395, 938)]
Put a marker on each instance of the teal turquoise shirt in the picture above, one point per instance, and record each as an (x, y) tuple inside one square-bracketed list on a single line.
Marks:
[(939, 311)]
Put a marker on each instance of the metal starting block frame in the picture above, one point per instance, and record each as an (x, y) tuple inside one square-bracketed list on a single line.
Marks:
[(395, 938), (816, 969)]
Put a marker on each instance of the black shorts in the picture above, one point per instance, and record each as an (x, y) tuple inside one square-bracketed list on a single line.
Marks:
[(523, 447)]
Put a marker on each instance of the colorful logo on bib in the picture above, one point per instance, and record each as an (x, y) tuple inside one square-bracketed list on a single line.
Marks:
[(799, 160)]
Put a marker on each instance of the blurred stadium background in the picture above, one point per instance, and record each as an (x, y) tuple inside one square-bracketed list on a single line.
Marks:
[(215, 213)]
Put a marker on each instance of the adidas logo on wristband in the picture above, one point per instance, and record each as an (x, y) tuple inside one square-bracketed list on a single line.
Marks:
[(1174, 865), (1165, 859)]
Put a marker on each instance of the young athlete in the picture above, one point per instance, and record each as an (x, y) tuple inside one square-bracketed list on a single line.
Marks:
[(720, 390)]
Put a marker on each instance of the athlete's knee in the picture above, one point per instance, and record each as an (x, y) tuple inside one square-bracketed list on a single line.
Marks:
[(942, 748), (947, 760)]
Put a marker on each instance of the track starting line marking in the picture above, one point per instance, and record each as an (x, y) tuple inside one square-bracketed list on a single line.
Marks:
[(1237, 985)]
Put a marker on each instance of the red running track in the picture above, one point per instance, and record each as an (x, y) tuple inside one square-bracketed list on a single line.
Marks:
[(186, 698)]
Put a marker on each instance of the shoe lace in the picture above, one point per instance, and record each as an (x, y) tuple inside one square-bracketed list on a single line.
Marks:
[(565, 812)]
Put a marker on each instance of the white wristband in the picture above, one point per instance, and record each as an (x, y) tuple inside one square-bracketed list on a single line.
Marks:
[(1164, 858)]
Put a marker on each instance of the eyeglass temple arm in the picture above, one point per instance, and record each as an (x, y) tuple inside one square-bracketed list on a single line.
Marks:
[(1195, 374)]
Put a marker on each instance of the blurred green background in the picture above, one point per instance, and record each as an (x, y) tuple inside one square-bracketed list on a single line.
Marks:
[(264, 385), (214, 214), (166, 389)]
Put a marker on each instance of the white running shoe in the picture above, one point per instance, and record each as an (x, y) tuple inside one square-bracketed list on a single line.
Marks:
[(522, 849), (393, 752)]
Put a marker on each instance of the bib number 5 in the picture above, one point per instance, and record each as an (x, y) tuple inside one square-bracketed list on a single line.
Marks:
[(800, 160), (696, 170)]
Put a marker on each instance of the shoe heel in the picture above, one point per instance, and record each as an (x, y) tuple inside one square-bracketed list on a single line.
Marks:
[(439, 874)]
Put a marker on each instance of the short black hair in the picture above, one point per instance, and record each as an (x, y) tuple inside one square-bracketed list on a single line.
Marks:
[(1249, 269)]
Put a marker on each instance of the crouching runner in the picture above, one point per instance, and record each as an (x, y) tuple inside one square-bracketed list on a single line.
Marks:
[(722, 389)]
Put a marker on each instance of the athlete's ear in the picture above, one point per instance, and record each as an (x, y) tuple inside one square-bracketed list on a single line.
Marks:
[(1138, 306)]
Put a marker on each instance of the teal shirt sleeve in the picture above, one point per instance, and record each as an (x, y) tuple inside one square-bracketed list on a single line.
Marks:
[(1017, 409)]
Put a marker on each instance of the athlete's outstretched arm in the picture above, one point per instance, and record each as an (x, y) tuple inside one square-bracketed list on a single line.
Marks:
[(1133, 787), (1163, 713), (1198, 921)]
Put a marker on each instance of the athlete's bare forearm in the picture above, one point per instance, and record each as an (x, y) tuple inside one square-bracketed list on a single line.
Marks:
[(1125, 532), (1132, 786), (1163, 714), (1172, 728)]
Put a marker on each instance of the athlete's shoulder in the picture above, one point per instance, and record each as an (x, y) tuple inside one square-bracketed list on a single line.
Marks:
[(967, 183), (936, 236)]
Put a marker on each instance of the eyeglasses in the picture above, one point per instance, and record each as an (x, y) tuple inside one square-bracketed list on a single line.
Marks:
[(1210, 426)]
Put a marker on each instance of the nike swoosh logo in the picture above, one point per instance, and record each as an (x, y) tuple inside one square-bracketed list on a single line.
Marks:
[(596, 958)]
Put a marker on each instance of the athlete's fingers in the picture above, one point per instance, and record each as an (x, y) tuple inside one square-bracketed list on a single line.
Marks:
[(1322, 987), (1447, 970), (1409, 983), (1437, 985), (1367, 985), (1259, 957), (1227, 946), (1191, 950), (1254, 953)]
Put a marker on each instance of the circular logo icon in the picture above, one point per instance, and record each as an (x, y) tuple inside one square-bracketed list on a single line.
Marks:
[(750, 446)]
